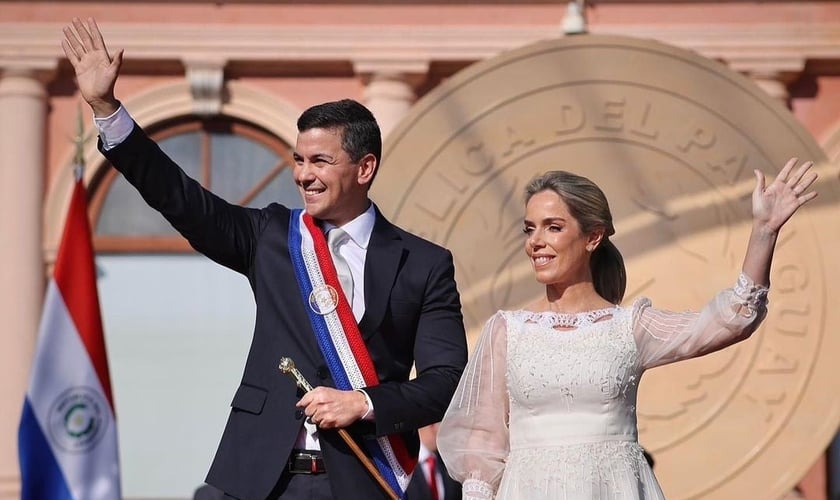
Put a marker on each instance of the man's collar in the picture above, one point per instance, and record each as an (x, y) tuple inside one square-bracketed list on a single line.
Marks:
[(424, 453), (360, 228)]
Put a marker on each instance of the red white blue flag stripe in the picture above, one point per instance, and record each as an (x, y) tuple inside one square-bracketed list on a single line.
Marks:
[(67, 439), (340, 339)]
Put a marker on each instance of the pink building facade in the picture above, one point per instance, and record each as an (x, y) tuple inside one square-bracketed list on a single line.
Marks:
[(261, 63)]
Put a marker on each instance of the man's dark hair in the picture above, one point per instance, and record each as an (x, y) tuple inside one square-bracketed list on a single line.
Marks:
[(360, 132)]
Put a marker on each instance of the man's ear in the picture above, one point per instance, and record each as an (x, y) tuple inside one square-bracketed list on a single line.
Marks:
[(367, 169)]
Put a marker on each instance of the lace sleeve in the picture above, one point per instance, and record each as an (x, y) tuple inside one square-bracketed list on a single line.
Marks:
[(473, 436), (665, 337)]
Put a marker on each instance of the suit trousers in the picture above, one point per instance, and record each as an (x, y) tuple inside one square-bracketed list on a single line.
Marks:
[(302, 487)]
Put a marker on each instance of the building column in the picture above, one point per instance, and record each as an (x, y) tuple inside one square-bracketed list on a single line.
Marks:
[(390, 89), (774, 84), (23, 108), (772, 75)]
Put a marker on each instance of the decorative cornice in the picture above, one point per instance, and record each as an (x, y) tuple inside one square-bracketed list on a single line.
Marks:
[(39, 68), (401, 66), (766, 45)]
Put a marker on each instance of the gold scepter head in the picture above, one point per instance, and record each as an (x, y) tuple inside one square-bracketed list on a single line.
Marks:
[(288, 367)]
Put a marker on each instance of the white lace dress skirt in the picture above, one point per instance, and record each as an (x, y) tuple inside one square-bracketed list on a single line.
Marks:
[(610, 470)]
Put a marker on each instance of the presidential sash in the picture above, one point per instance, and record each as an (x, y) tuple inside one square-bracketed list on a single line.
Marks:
[(339, 337)]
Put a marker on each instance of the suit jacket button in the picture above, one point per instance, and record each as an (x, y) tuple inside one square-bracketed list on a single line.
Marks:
[(298, 414), (321, 372), (399, 426)]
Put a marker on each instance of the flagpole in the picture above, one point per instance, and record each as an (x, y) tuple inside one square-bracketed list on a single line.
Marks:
[(67, 437), (79, 143)]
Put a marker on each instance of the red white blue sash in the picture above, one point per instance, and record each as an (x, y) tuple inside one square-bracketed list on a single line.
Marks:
[(339, 337)]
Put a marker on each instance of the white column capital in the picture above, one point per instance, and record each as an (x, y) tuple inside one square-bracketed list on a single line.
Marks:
[(409, 71), (774, 85), (772, 74), (41, 69), (206, 78), (787, 66), (390, 87)]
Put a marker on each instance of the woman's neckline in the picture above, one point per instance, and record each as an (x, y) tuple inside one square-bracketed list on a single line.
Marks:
[(598, 310), (554, 319)]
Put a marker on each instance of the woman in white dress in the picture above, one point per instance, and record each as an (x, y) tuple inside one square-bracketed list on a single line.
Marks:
[(546, 408)]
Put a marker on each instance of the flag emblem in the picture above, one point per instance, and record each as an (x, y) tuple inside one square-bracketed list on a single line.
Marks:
[(77, 419), (323, 299)]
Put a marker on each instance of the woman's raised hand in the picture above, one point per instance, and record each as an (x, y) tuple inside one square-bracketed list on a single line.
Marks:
[(774, 204)]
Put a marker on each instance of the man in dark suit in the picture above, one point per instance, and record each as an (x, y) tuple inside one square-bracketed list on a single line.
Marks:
[(207, 492), (399, 301), (431, 481)]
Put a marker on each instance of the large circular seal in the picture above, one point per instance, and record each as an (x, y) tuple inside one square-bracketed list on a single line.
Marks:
[(672, 138)]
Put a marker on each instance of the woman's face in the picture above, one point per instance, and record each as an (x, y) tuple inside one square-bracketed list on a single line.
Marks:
[(555, 244)]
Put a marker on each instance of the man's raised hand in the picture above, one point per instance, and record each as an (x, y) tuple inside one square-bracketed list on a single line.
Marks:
[(96, 71)]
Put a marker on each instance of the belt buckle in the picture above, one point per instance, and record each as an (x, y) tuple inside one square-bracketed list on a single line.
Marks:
[(313, 462)]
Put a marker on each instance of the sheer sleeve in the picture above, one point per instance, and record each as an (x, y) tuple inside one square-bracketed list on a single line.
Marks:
[(473, 436), (665, 337)]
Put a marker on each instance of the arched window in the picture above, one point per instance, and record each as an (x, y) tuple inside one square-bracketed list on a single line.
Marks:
[(241, 163)]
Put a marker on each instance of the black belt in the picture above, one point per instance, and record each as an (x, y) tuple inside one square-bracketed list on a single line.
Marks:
[(306, 462)]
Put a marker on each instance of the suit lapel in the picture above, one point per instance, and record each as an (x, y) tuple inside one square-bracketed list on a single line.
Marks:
[(382, 262)]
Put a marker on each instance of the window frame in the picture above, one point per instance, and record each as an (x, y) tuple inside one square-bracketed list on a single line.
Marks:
[(177, 243)]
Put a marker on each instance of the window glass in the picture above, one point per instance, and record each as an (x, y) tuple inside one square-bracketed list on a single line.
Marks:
[(240, 163)]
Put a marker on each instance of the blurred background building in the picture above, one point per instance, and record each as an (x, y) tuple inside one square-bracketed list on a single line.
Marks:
[(220, 84)]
